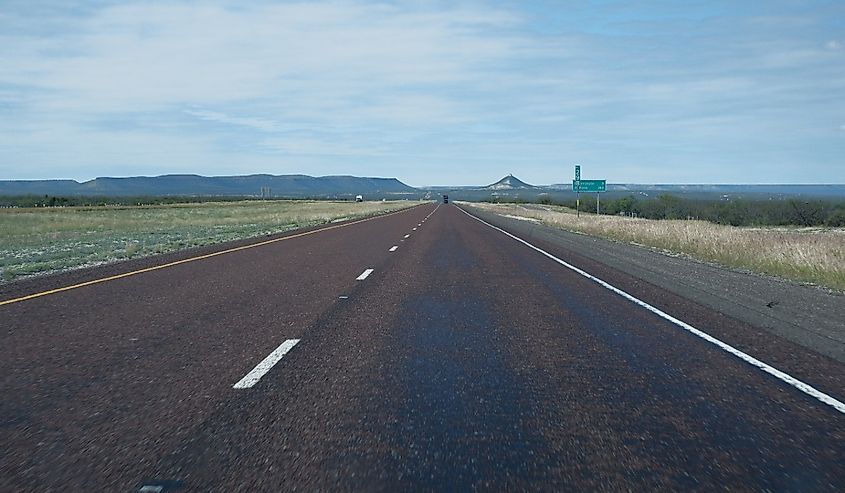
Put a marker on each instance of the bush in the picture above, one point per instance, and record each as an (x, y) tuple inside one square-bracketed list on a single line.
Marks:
[(737, 212), (836, 218)]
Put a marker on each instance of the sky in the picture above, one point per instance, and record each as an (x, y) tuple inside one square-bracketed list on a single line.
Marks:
[(432, 93)]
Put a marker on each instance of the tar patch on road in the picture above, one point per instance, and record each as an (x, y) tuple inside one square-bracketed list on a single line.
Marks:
[(686, 406), (461, 413)]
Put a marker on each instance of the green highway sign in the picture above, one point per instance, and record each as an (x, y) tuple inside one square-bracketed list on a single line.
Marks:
[(589, 185)]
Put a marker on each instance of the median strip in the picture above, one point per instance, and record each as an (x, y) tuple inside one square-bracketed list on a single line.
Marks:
[(194, 259)]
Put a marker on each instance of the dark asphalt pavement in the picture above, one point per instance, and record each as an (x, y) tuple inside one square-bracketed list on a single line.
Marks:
[(466, 360)]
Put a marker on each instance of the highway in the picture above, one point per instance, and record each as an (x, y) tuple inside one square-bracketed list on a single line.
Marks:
[(422, 350)]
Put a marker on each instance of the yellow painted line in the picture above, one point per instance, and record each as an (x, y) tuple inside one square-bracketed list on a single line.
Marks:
[(194, 259)]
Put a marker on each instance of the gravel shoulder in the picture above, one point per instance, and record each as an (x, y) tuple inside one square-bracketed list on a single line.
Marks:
[(806, 315)]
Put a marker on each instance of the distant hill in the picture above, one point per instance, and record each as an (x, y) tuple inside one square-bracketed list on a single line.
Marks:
[(304, 186), (195, 185), (509, 182)]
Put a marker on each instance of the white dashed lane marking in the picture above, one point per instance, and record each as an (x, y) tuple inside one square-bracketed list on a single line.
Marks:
[(406, 236), (262, 368), (364, 275), (393, 248)]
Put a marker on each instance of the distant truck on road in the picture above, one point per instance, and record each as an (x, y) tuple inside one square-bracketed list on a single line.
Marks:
[(359, 198)]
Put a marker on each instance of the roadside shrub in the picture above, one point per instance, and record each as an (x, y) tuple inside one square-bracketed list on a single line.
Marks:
[(836, 219)]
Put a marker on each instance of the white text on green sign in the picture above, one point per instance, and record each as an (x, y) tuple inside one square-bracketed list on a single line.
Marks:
[(589, 185)]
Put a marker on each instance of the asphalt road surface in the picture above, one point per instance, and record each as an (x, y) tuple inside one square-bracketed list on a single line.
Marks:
[(422, 350)]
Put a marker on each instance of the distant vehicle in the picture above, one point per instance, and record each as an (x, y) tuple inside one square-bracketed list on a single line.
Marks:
[(445, 199), (359, 198)]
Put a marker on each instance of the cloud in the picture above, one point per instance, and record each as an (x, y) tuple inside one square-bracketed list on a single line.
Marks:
[(324, 70), (418, 90), (298, 146), (154, 56), (261, 124)]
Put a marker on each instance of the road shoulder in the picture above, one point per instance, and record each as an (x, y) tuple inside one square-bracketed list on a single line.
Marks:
[(805, 315)]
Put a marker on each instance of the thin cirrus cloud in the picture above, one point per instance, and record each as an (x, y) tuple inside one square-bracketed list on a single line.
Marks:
[(430, 93), (261, 124)]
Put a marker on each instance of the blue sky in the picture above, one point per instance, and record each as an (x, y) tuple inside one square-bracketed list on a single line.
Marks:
[(433, 93)]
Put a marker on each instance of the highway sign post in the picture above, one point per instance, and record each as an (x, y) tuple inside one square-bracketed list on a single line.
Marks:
[(576, 185), (579, 185)]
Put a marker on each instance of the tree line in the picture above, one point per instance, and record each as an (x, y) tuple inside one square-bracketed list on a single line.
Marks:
[(735, 212), (94, 201), (7, 201)]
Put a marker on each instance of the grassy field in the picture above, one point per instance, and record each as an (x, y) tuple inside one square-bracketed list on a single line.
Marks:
[(44, 240), (809, 255)]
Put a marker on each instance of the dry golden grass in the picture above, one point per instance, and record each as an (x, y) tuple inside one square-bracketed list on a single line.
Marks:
[(814, 255)]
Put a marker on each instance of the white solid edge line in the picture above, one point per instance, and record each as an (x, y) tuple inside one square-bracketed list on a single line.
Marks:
[(262, 368), (364, 275), (393, 248), (789, 379)]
